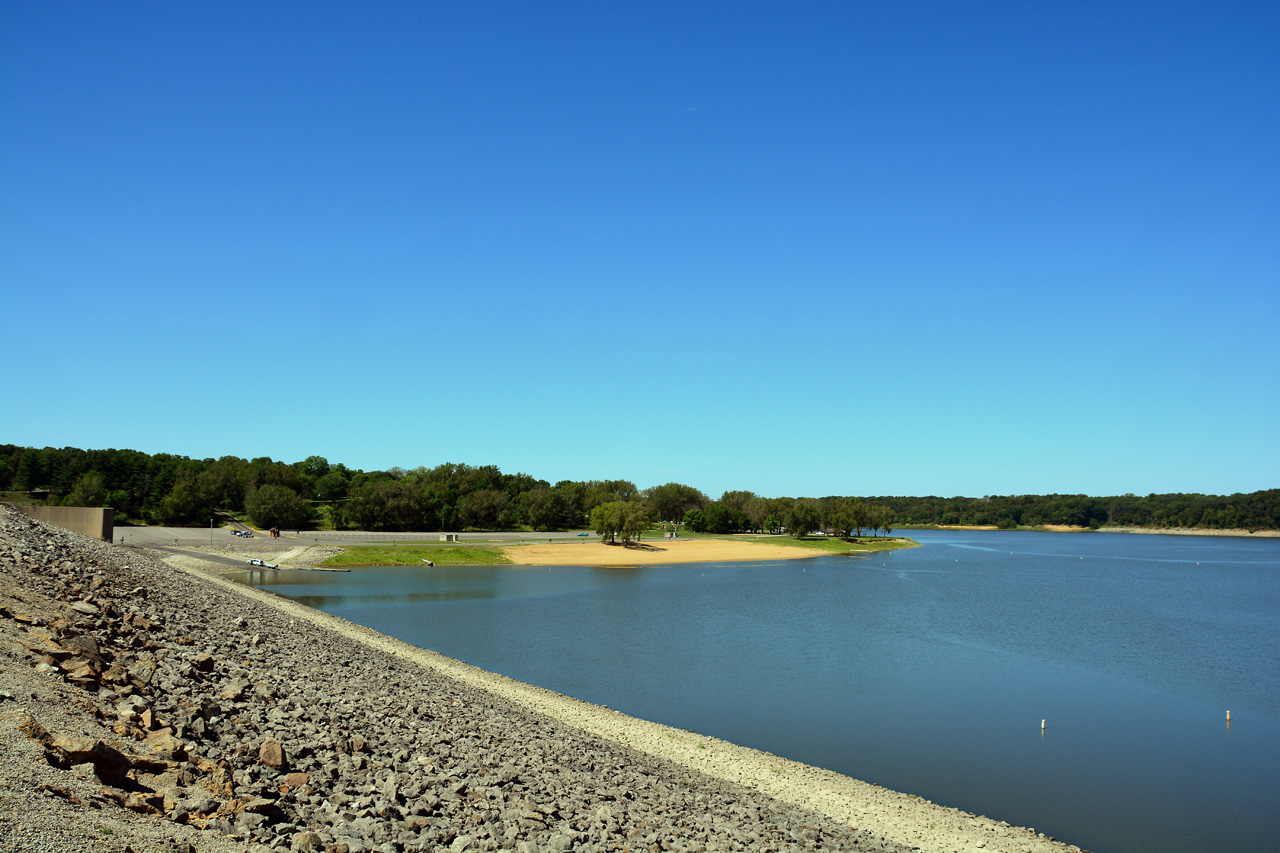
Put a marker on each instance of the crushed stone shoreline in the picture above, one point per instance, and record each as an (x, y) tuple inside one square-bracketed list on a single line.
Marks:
[(159, 707)]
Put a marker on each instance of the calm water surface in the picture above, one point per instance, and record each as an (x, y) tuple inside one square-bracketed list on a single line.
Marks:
[(926, 670)]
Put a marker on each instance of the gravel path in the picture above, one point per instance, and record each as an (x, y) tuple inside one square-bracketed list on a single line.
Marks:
[(157, 707)]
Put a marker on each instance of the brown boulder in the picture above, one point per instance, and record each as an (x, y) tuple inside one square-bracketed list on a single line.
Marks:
[(83, 645), (305, 842), (85, 674), (138, 801), (43, 646), (72, 664), (116, 674), (31, 727), (162, 744), (110, 763), (297, 780), (271, 754)]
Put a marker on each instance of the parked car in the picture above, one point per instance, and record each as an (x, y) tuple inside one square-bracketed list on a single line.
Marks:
[(255, 562)]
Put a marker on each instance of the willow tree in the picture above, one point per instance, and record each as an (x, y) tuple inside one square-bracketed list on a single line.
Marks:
[(626, 518)]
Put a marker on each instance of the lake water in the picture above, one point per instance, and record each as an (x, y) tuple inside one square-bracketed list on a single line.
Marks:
[(927, 670)]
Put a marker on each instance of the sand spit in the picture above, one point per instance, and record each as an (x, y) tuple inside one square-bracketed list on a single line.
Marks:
[(161, 708), (655, 553)]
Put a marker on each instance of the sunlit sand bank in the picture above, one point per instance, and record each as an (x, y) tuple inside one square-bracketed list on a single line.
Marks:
[(596, 553)]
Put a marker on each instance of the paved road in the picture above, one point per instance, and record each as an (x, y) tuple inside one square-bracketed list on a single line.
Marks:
[(203, 555), (192, 536)]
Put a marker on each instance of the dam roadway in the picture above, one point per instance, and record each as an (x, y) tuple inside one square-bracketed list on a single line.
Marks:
[(204, 536)]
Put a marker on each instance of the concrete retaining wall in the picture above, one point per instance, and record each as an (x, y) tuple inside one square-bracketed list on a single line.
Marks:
[(98, 522)]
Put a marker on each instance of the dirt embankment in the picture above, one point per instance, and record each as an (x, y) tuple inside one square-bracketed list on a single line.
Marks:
[(154, 708)]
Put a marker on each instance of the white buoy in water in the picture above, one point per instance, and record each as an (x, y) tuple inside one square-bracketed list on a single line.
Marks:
[(1042, 725)]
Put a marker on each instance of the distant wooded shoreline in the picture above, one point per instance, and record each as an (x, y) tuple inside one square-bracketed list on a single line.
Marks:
[(1057, 528), (313, 493)]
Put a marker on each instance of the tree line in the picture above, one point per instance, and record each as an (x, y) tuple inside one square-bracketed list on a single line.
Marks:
[(177, 490), (1251, 511)]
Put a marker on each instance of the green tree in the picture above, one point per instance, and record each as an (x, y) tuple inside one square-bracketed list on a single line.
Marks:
[(670, 501), (696, 521), (544, 508), (89, 490), (277, 506), (606, 520), (225, 483), (628, 518), (859, 514), (802, 518), (882, 518), (332, 486), (836, 516), (719, 518), (757, 510), (314, 467), (389, 505), (183, 504), (607, 491), (736, 500), (485, 509), (635, 521)]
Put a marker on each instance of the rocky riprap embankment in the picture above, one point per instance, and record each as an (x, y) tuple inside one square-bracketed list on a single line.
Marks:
[(145, 709)]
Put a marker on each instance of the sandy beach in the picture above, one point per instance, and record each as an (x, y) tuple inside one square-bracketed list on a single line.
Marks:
[(664, 552), (1194, 531)]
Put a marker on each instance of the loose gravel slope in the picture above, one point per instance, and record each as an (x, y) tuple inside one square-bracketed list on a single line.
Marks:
[(151, 707)]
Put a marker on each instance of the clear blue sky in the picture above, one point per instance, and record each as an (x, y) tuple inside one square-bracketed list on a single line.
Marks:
[(802, 249)]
